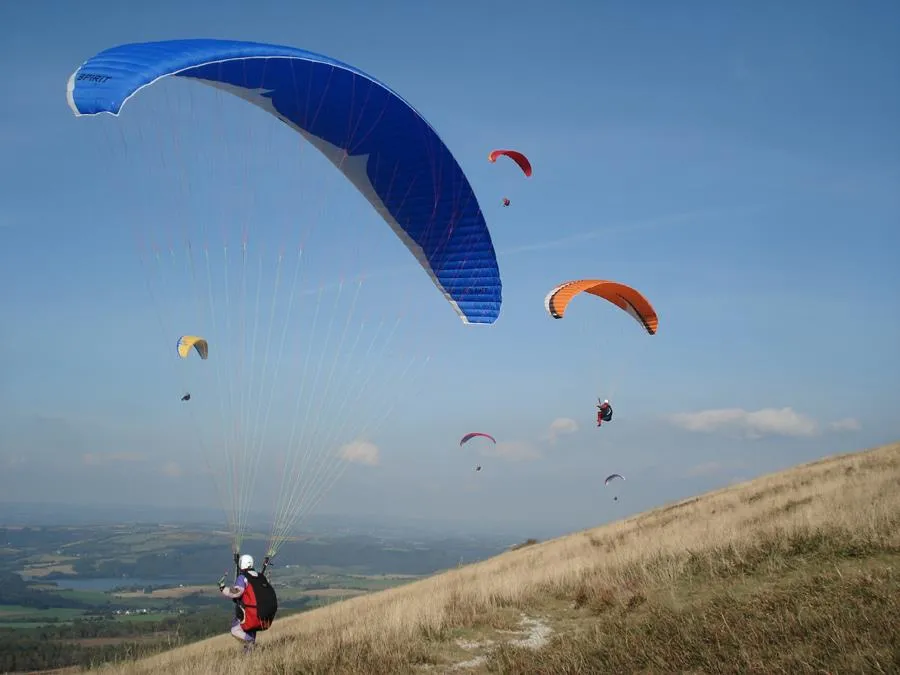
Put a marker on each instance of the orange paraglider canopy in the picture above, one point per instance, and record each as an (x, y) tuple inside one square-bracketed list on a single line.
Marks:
[(624, 297), (515, 156)]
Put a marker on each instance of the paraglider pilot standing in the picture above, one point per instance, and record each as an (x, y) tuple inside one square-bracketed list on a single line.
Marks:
[(254, 599)]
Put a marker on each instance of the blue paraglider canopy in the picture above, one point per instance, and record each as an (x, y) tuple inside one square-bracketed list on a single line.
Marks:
[(374, 137)]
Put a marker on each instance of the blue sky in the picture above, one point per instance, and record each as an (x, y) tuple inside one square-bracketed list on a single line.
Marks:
[(738, 165)]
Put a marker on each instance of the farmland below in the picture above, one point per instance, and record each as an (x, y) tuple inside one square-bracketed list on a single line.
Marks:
[(77, 596)]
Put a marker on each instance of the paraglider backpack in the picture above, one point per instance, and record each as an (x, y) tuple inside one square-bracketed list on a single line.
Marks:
[(259, 603)]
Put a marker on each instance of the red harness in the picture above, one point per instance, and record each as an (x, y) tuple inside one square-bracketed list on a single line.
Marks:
[(250, 620)]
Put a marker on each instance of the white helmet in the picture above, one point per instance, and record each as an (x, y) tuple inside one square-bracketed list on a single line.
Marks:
[(245, 562), (606, 401)]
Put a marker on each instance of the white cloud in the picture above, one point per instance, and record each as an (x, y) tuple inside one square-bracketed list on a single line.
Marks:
[(751, 424), (361, 452), (559, 427), (514, 450), (846, 424)]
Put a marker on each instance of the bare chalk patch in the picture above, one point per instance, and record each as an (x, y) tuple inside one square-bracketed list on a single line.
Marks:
[(535, 634)]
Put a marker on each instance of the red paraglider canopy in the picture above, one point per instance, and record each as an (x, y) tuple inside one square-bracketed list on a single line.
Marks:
[(515, 156)]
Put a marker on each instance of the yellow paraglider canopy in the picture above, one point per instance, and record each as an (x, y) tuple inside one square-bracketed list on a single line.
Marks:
[(186, 342)]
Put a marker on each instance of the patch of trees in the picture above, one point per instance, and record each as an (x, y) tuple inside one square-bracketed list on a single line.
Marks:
[(15, 591), (52, 647), (30, 654)]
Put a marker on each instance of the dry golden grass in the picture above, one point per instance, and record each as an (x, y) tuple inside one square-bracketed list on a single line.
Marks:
[(794, 572)]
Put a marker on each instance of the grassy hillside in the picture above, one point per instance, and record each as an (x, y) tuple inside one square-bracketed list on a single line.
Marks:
[(795, 572)]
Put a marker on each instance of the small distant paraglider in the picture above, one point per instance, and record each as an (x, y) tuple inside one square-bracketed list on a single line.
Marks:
[(187, 343), (475, 434), (626, 298), (516, 156), (609, 479)]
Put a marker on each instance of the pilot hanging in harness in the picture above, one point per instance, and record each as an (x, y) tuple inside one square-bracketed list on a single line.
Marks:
[(604, 412), (254, 599)]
